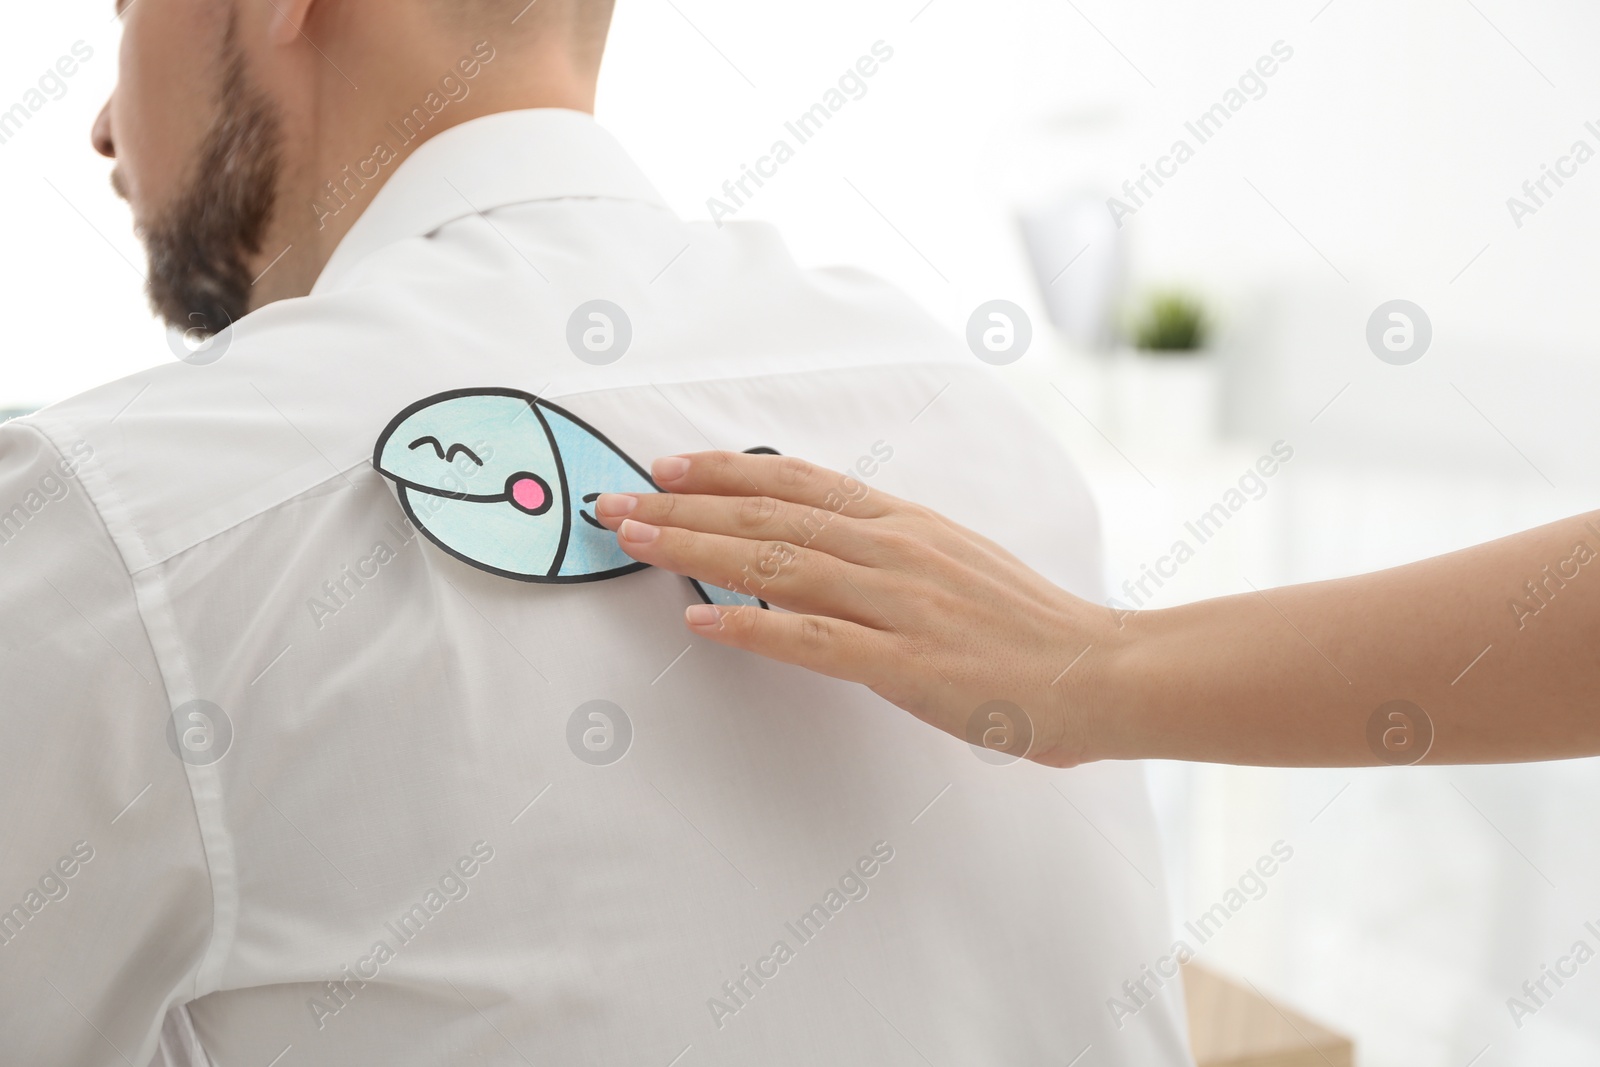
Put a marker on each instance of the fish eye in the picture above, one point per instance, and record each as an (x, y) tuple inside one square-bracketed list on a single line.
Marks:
[(590, 498), (434, 441), (439, 450)]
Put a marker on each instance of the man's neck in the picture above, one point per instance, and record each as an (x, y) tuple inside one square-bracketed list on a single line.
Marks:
[(364, 137)]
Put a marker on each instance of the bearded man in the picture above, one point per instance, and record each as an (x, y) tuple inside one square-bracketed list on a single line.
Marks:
[(337, 728)]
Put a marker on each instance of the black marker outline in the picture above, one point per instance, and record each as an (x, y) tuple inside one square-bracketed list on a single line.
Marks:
[(566, 490)]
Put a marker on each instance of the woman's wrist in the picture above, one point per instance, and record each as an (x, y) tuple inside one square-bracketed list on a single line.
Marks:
[(1089, 700), (1113, 695)]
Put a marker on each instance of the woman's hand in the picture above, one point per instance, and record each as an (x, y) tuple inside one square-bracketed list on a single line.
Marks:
[(930, 616), (957, 631)]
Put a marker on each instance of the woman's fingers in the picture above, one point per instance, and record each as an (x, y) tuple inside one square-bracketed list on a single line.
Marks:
[(828, 646), (780, 477), (799, 579), (930, 615), (755, 518)]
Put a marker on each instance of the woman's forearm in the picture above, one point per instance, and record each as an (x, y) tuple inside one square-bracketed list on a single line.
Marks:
[(1490, 654)]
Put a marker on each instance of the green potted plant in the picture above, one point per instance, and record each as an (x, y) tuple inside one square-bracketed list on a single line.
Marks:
[(1168, 386), (1171, 323)]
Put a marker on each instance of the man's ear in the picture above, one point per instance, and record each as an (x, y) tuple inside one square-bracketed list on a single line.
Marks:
[(288, 19)]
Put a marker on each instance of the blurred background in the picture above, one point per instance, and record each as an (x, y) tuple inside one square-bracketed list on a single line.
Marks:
[(1373, 165)]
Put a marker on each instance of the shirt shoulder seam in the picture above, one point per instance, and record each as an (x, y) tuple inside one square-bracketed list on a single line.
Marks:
[(139, 607)]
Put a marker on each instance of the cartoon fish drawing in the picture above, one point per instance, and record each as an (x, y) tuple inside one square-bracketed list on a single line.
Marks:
[(504, 481)]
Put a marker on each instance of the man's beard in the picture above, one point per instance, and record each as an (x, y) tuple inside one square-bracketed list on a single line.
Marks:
[(199, 278)]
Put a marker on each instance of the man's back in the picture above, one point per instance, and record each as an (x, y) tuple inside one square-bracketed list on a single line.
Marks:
[(361, 802)]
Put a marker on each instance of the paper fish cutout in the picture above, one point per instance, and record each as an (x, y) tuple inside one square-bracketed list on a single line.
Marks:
[(504, 481)]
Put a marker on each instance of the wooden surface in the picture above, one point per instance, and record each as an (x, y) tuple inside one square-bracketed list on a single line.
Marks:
[(1230, 1025)]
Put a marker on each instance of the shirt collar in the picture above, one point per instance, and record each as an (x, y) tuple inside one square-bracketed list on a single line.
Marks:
[(510, 157)]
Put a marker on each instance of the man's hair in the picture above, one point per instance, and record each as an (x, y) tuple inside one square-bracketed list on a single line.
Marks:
[(584, 23)]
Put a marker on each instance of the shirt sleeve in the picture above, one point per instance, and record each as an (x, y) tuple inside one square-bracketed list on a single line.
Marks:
[(105, 902)]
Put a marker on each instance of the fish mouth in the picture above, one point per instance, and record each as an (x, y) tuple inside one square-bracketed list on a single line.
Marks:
[(529, 493)]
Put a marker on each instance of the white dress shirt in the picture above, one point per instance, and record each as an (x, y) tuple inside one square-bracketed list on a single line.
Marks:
[(271, 755)]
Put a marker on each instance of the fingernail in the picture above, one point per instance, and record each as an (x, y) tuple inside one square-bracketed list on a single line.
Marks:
[(701, 615), (638, 533), (615, 505), (669, 468)]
